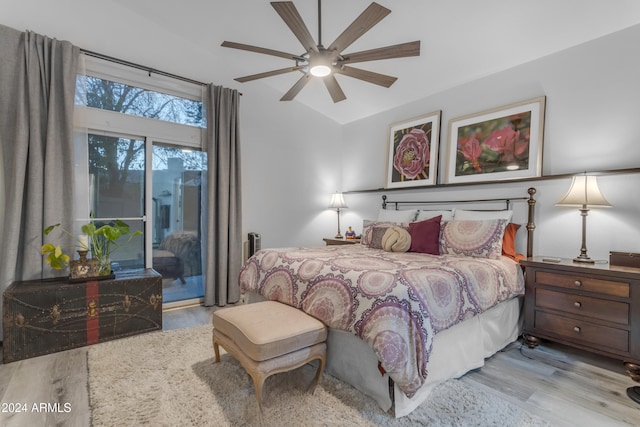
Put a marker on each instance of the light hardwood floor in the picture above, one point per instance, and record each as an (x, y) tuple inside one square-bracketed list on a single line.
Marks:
[(567, 387)]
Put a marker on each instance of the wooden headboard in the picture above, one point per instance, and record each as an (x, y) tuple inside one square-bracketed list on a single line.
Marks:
[(506, 201)]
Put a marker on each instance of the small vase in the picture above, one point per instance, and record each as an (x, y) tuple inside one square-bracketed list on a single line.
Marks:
[(104, 266)]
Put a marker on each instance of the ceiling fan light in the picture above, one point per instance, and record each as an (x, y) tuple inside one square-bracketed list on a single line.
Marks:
[(320, 70)]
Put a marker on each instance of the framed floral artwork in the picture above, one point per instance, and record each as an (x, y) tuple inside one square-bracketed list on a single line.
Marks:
[(498, 144), (413, 151)]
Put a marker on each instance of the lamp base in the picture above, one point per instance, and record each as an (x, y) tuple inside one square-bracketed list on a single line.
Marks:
[(338, 236), (584, 260)]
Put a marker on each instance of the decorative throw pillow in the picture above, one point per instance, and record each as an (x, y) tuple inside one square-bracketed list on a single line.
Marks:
[(481, 239), (377, 233), (368, 228), (425, 236), (509, 242), (396, 239)]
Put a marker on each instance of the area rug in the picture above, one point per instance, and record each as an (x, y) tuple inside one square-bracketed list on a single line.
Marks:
[(170, 379)]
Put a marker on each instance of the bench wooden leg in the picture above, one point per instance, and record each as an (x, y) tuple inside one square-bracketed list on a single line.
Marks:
[(321, 364), (258, 384), (216, 350), (312, 387)]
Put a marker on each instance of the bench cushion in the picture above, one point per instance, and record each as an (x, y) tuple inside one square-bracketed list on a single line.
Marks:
[(268, 329)]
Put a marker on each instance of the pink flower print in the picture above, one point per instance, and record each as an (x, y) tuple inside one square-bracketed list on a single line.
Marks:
[(412, 154), (503, 141), (470, 149)]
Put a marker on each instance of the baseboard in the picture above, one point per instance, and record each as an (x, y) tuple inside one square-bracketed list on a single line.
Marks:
[(182, 304)]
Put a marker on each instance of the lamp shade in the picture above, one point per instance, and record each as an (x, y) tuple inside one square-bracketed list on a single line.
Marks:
[(337, 201), (584, 191)]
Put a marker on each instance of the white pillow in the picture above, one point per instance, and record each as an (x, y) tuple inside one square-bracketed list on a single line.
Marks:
[(397, 216), (482, 215), (446, 215)]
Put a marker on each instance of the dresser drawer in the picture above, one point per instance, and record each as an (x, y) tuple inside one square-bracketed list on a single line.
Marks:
[(610, 311), (589, 284), (588, 333)]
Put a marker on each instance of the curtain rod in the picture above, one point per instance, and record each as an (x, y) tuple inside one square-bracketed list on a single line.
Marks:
[(142, 67)]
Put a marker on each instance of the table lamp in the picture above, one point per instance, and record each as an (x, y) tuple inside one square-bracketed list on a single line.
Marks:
[(337, 203), (584, 194)]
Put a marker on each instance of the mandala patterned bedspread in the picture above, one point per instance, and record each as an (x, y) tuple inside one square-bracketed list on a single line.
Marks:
[(395, 302)]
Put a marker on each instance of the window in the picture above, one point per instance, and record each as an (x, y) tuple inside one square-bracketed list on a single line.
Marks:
[(141, 158), (116, 190), (96, 92)]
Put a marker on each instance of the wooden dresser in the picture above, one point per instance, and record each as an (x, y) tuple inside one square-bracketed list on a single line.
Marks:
[(595, 307)]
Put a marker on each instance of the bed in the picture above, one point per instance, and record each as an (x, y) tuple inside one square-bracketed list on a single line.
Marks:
[(404, 318)]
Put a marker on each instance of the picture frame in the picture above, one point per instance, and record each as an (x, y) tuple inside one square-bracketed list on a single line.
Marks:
[(499, 144), (413, 151)]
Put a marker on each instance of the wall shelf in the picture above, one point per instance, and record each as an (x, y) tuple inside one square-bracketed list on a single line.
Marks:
[(519, 180)]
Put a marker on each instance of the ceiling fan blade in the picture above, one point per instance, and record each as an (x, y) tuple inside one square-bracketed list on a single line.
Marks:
[(334, 88), (367, 76), (292, 18), (263, 50), (396, 51), (296, 88), (363, 23), (266, 74)]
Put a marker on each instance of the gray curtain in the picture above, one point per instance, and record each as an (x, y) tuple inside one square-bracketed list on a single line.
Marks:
[(222, 204), (37, 87)]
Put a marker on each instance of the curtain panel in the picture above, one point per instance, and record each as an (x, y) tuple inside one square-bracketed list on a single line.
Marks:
[(37, 87), (222, 205)]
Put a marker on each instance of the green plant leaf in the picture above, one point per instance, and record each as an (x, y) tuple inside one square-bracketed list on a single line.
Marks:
[(55, 258), (48, 247), (89, 229), (50, 228)]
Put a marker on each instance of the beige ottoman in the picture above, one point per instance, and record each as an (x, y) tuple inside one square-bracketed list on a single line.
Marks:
[(269, 337)]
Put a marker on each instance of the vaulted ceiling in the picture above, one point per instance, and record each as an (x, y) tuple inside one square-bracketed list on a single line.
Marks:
[(461, 40)]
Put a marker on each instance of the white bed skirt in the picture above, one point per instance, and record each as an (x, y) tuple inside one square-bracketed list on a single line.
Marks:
[(455, 352)]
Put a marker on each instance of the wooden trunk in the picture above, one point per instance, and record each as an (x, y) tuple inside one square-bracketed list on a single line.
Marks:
[(46, 316)]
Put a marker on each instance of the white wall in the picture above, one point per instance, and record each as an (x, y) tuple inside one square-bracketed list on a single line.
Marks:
[(293, 158), (289, 170), (592, 110), (288, 151)]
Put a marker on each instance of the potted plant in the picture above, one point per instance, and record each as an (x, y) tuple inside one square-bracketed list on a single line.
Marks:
[(101, 241)]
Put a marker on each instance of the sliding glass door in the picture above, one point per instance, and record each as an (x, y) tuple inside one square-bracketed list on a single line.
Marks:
[(177, 184)]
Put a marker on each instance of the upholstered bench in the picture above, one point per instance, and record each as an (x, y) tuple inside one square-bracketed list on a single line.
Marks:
[(269, 337)]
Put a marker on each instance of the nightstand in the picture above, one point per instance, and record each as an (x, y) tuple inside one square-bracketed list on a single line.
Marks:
[(333, 241), (595, 307)]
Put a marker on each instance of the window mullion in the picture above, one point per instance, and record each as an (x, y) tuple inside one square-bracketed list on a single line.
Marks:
[(148, 203)]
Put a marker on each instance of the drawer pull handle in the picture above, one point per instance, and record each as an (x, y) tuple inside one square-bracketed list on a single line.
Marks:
[(577, 304), (576, 329), (577, 283)]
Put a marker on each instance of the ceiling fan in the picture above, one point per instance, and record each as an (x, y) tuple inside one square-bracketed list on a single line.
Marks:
[(326, 62)]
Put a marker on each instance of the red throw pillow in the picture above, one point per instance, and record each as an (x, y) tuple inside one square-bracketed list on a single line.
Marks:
[(509, 242), (425, 236)]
